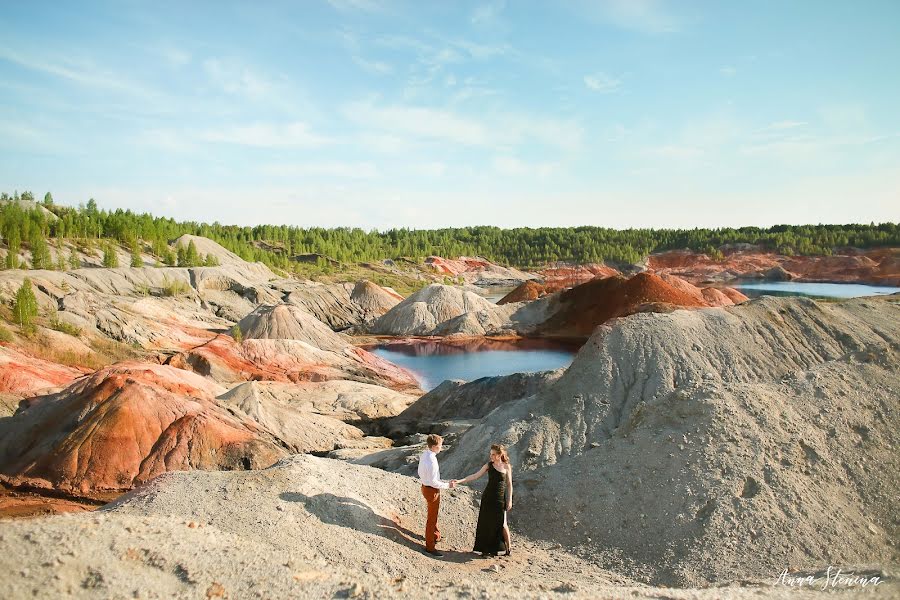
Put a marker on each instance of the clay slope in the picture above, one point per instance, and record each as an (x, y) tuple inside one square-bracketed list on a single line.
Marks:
[(23, 375), (341, 305), (225, 361), (478, 271), (423, 311), (717, 444), (124, 425), (289, 322), (585, 306)]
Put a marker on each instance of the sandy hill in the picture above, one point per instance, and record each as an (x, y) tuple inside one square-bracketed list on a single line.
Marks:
[(343, 305), (423, 311), (705, 444), (124, 425), (289, 322), (207, 246)]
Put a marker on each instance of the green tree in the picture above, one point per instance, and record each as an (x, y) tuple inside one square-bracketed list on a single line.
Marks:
[(48, 200), (74, 259), (192, 259), (110, 256), (136, 259), (169, 257), (182, 256), (40, 254), (25, 308)]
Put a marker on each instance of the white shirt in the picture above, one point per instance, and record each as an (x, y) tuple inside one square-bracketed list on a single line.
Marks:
[(430, 472)]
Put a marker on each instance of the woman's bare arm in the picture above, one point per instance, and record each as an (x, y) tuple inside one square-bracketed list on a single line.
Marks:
[(473, 476), (508, 488)]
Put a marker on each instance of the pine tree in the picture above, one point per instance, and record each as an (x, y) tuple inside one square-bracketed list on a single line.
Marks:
[(40, 254), (169, 257), (191, 257), (182, 256), (25, 309), (74, 260), (136, 259), (110, 256)]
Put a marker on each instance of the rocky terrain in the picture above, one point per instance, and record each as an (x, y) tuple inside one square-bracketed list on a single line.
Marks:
[(699, 441), (880, 266), (734, 439)]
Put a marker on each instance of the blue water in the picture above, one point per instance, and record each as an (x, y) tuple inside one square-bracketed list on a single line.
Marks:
[(433, 364), (813, 290)]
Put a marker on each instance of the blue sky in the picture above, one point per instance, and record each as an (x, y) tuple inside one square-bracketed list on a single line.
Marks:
[(381, 113)]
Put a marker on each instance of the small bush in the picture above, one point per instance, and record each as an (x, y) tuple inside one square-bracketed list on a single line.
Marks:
[(142, 289), (237, 334), (5, 334), (65, 327), (174, 287)]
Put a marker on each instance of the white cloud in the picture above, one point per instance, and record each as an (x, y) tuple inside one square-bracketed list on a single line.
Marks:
[(348, 170), (423, 123), (728, 71), (266, 135), (237, 78), (645, 16), (82, 72), (514, 167), (487, 13), (376, 67), (356, 5), (601, 82)]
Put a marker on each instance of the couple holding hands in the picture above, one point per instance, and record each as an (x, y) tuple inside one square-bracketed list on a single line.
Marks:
[(491, 533)]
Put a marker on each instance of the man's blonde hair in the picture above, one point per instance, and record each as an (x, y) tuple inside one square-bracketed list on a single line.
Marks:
[(433, 440)]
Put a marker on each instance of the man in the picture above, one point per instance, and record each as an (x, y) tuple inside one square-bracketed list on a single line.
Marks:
[(430, 477)]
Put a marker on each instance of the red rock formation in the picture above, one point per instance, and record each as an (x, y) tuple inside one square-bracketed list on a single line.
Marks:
[(463, 264), (226, 361), (590, 304), (26, 375), (530, 290), (563, 276), (879, 266), (124, 425)]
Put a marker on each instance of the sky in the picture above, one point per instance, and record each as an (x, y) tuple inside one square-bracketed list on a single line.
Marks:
[(426, 114)]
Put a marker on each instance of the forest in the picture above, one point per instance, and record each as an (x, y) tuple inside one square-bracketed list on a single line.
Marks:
[(35, 225)]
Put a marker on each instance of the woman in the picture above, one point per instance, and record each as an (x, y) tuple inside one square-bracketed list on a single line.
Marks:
[(492, 533)]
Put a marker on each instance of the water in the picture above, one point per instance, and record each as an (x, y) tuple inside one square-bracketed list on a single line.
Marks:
[(432, 362), (495, 293), (812, 290)]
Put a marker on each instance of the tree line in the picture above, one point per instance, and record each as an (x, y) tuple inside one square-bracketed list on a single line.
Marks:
[(25, 222)]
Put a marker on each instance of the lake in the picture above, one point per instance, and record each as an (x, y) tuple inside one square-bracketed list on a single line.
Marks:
[(432, 362), (755, 289)]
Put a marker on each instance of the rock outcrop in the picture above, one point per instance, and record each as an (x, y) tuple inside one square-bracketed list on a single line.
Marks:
[(289, 322), (701, 444), (342, 305), (877, 266), (22, 375), (478, 271), (423, 311), (226, 361), (124, 425)]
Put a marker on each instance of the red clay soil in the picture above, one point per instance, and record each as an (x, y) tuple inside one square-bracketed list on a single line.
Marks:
[(879, 266), (124, 425), (586, 306), (463, 264), (560, 277), (527, 291), (26, 375), (19, 504), (225, 361)]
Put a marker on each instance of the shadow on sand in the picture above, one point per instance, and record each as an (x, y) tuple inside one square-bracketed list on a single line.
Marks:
[(353, 514)]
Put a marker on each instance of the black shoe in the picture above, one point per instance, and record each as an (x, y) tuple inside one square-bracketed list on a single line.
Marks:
[(434, 553)]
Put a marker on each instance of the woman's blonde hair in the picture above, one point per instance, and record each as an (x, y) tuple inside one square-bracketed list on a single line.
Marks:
[(501, 450)]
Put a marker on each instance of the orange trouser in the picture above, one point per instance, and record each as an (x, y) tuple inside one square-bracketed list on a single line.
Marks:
[(433, 498)]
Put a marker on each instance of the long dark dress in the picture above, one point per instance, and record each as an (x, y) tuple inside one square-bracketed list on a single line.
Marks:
[(491, 516)]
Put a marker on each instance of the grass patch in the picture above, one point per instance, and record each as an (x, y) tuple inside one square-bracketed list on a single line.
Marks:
[(174, 287), (5, 334), (64, 327)]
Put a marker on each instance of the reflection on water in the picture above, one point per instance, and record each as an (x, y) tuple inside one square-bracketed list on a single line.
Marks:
[(812, 290), (434, 361)]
